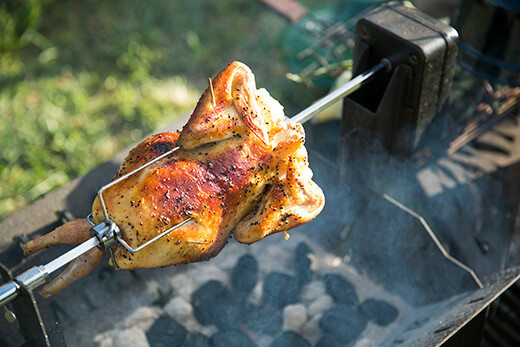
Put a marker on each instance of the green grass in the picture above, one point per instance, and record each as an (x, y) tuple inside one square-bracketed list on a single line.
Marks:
[(92, 77)]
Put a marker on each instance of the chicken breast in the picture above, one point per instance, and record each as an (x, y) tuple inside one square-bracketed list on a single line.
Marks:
[(241, 166)]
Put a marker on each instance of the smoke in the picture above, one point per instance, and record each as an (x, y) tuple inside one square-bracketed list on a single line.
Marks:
[(464, 207)]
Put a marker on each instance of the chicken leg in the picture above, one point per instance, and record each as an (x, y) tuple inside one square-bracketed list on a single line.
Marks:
[(73, 232)]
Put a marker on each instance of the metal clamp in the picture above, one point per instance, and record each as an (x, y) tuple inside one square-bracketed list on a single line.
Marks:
[(30, 279), (106, 233)]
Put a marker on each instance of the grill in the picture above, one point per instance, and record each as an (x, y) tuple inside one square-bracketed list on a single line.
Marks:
[(414, 247)]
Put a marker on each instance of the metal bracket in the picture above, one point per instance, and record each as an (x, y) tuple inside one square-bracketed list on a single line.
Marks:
[(398, 107), (26, 312), (106, 232)]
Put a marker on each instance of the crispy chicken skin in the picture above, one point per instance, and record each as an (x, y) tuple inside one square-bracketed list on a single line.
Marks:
[(241, 166)]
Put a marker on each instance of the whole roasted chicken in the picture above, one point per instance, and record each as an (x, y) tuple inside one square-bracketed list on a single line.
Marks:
[(241, 166)]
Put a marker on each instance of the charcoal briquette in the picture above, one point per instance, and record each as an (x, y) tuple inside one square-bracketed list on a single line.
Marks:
[(290, 339), (280, 289), (340, 289), (328, 341), (215, 304), (379, 311), (195, 339), (343, 322), (262, 319), (302, 263), (232, 338), (166, 331), (245, 274)]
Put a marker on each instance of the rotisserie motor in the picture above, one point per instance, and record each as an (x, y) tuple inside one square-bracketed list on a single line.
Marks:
[(241, 166)]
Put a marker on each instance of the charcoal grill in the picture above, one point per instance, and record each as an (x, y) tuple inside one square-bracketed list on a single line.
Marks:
[(400, 263)]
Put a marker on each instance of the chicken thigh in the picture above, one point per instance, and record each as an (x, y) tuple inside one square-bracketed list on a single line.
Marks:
[(241, 166)]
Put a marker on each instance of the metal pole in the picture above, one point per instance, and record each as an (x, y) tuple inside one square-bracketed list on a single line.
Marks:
[(37, 275), (346, 89)]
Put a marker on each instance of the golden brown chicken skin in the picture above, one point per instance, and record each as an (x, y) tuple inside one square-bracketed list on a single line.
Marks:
[(241, 166)]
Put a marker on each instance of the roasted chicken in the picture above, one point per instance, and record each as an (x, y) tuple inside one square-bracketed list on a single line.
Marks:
[(241, 166)]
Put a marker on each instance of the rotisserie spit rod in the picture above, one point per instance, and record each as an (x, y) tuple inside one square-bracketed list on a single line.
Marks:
[(37, 275), (346, 89), (106, 234)]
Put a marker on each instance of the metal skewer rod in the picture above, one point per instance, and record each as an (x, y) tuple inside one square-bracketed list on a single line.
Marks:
[(37, 275), (106, 233), (346, 89)]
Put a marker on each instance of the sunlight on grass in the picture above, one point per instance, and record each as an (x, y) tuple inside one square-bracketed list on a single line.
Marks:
[(57, 128)]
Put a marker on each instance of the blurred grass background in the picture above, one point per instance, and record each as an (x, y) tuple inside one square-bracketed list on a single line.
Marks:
[(81, 80)]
